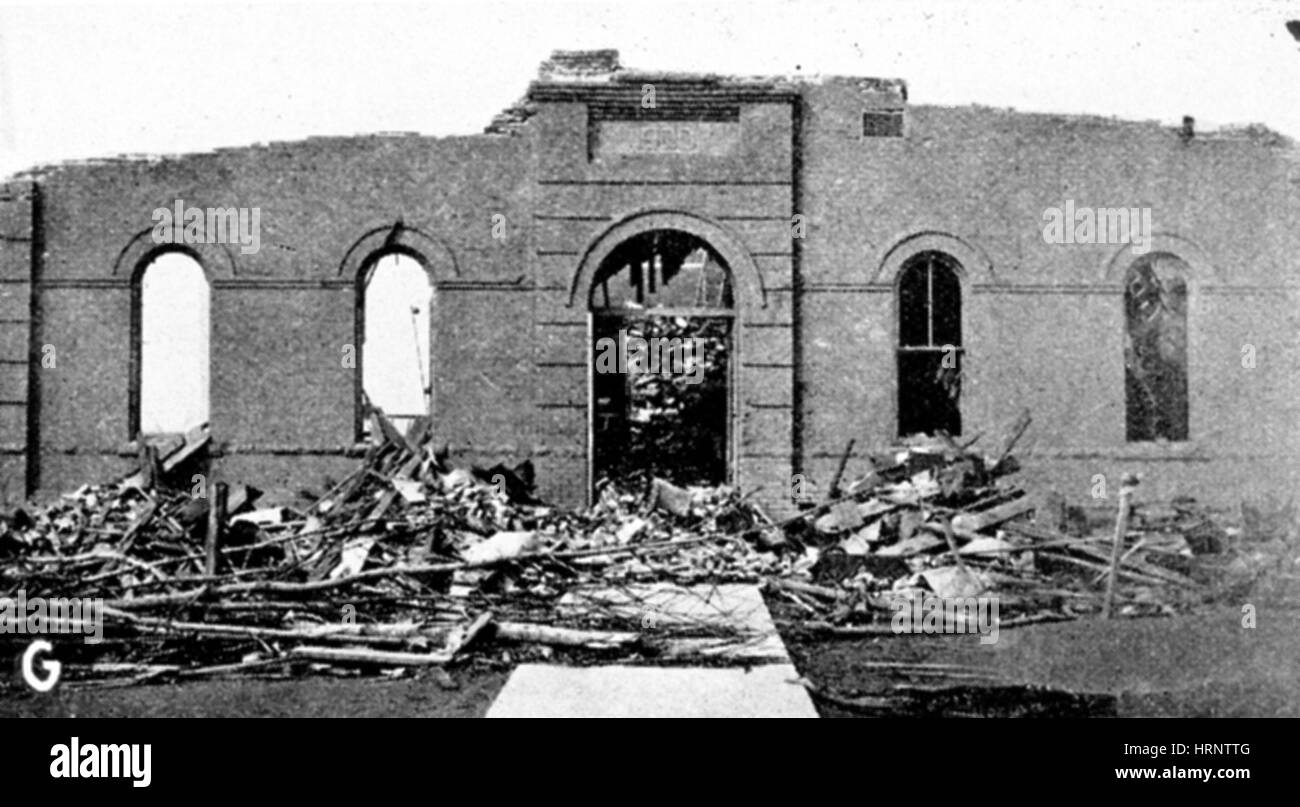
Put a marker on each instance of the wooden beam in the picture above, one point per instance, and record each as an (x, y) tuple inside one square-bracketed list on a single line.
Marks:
[(216, 522)]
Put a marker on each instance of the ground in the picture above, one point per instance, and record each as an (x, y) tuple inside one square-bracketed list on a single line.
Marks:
[(1202, 665)]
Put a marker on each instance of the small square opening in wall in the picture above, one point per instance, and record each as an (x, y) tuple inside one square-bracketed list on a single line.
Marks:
[(883, 123)]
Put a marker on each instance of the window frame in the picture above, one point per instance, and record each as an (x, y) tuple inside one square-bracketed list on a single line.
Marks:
[(1184, 272), (927, 261), (361, 419), (135, 382)]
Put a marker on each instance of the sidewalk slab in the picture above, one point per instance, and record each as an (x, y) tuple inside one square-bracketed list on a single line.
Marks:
[(540, 690)]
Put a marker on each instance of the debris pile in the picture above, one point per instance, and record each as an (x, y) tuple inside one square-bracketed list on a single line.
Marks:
[(938, 521), (934, 521), (405, 562), (409, 561)]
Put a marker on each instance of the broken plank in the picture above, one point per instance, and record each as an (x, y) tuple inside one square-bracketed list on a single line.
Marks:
[(391, 432), (800, 587), (1101, 567), (834, 490), (462, 638), (565, 637), (139, 524), (216, 524), (193, 444), (974, 522), (1121, 531), (1018, 430), (362, 655)]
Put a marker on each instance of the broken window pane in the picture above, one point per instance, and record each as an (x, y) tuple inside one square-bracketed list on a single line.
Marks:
[(928, 393), (929, 345), (1155, 351), (395, 360), (945, 299), (174, 333), (914, 306)]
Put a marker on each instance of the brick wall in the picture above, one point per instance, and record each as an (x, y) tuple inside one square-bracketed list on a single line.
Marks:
[(281, 317), (16, 350), (1043, 323)]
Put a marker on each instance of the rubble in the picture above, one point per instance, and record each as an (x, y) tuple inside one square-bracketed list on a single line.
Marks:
[(409, 561)]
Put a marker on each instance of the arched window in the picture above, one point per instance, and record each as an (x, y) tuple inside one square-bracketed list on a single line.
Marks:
[(929, 345), (1155, 349), (171, 316), (396, 364), (662, 315)]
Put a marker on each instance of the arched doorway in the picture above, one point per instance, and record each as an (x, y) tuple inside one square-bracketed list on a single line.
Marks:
[(662, 326)]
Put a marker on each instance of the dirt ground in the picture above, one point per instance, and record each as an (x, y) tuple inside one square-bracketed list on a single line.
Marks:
[(1203, 665), (469, 694), (848, 685)]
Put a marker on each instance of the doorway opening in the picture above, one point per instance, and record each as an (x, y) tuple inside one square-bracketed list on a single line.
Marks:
[(662, 329)]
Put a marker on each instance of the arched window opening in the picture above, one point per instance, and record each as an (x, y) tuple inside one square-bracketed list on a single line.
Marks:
[(1155, 349), (172, 317), (662, 322), (929, 345), (396, 363)]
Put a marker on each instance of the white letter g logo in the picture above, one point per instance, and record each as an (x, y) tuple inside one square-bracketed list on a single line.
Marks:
[(52, 668)]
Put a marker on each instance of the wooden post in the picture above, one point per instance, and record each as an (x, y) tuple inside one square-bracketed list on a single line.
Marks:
[(1126, 487), (834, 490), (216, 520), (1018, 430), (952, 547), (150, 468)]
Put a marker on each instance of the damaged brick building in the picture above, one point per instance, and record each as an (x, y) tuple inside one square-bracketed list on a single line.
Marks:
[(875, 268)]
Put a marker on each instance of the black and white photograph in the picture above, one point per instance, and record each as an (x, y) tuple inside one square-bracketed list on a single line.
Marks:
[(651, 359)]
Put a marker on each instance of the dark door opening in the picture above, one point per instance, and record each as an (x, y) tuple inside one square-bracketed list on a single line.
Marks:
[(662, 326), (929, 346)]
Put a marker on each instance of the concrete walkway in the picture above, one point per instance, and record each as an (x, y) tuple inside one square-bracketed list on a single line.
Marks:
[(765, 685)]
